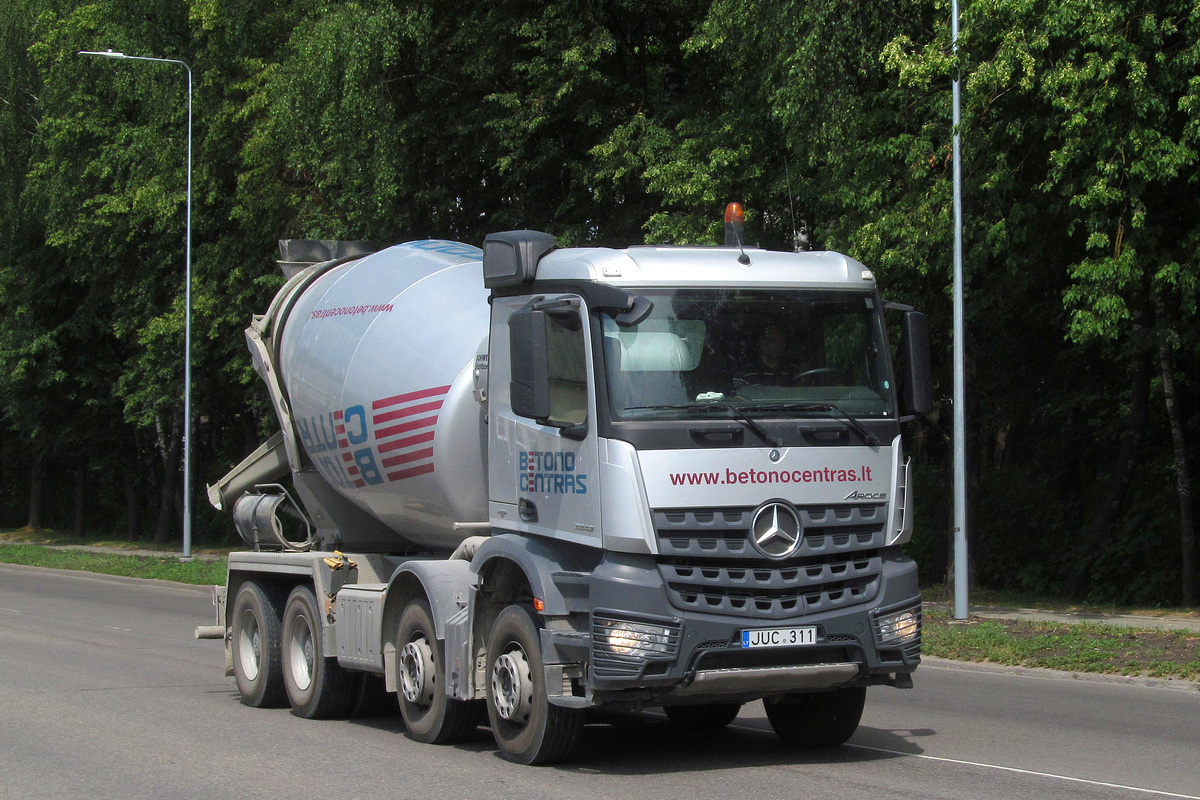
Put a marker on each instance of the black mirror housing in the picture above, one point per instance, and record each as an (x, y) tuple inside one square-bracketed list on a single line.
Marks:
[(917, 396), (529, 388)]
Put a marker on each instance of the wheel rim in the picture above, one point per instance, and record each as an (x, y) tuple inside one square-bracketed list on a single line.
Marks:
[(417, 672), (512, 686), (300, 652), (250, 645)]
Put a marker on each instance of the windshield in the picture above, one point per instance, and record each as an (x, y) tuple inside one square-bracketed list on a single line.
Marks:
[(783, 352)]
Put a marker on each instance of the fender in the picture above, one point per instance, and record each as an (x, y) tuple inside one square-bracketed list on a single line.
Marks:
[(446, 585), (558, 572)]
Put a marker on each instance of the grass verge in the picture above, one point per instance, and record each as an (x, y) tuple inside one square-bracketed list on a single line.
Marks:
[(63, 538), (1082, 647), (166, 568)]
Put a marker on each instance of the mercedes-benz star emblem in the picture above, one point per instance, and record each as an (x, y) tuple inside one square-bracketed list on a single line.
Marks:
[(776, 531)]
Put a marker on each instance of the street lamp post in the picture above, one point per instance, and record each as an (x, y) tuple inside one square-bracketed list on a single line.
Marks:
[(961, 562), (187, 321)]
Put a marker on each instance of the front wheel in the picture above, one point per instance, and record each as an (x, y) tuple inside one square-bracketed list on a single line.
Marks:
[(819, 719), (317, 686), (429, 714), (528, 729)]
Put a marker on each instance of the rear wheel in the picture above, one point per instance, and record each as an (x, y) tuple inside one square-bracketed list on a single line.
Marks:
[(430, 715), (819, 719), (528, 729), (317, 686), (708, 717), (254, 638)]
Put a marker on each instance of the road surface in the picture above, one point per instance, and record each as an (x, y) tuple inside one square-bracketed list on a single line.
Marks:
[(105, 694)]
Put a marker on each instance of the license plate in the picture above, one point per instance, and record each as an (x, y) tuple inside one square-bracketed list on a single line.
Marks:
[(779, 637)]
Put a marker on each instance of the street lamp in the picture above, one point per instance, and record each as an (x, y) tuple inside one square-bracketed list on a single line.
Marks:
[(961, 568), (187, 320)]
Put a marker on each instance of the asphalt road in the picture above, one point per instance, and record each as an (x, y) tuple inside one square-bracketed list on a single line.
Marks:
[(105, 694)]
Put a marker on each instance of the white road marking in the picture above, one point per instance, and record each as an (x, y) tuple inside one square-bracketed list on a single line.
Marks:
[(1157, 792)]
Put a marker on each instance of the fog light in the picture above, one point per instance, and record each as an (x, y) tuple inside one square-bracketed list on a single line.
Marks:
[(899, 628), (622, 639), (635, 639)]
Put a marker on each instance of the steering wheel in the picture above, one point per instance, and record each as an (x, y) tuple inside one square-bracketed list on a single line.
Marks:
[(822, 376)]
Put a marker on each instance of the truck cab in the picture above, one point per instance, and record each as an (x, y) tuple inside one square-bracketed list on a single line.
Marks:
[(717, 446)]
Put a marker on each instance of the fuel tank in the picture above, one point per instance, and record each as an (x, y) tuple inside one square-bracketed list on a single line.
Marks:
[(375, 357)]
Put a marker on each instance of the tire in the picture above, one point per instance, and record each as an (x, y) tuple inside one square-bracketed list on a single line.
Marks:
[(708, 717), (820, 719), (429, 714), (317, 686), (528, 729), (254, 636)]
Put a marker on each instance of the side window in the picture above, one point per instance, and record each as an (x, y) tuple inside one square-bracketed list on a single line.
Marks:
[(568, 369)]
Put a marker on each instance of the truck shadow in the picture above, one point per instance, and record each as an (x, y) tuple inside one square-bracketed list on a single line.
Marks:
[(629, 743), (638, 744)]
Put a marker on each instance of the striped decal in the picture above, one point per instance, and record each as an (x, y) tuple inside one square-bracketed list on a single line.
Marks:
[(403, 427)]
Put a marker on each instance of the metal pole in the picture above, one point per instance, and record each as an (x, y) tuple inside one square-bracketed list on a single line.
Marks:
[(187, 323), (960, 391)]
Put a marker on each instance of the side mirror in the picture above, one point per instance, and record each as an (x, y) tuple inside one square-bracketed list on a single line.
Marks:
[(529, 388), (917, 397)]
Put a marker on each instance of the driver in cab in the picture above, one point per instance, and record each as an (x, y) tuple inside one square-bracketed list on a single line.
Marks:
[(770, 365)]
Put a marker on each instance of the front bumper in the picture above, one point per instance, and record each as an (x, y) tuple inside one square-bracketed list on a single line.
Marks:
[(667, 654)]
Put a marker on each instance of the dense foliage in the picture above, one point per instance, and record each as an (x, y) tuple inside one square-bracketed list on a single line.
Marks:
[(615, 122)]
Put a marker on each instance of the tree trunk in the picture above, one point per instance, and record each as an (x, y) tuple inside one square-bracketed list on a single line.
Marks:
[(1183, 483), (1109, 504), (131, 510), (37, 491), (81, 471), (133, 514), (170, 449), (145, 458)]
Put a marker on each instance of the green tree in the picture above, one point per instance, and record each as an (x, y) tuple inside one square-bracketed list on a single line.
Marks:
[(105, 181), (1081, 162)]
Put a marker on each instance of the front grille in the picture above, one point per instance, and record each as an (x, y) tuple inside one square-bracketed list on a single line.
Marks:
[(709, 565)]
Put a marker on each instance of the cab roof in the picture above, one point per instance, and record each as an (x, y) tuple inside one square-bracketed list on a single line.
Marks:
[(675, 265)]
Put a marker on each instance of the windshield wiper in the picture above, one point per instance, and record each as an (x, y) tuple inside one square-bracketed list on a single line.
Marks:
[(849, 419), (736, 412), (741, 415)]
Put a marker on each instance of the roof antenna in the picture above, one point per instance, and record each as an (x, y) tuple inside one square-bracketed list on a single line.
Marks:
[(735, 229), (800, 241)]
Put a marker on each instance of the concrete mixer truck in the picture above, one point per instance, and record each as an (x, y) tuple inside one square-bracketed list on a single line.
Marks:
[(516, 483)]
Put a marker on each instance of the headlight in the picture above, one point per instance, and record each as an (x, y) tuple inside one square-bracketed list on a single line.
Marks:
[(899, 628)]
